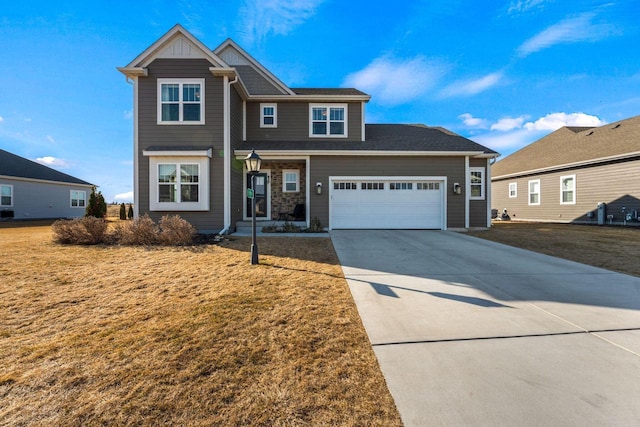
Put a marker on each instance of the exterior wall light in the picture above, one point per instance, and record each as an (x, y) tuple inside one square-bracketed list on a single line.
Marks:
[(456, 188), (318, 188)]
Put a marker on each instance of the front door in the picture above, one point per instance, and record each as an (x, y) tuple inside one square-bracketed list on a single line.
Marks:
[(260, 193)]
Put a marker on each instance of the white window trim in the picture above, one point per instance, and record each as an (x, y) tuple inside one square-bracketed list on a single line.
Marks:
[(84, 198), (529, 193), (328, 106), (482, 184), (203, 184), (180, 102), (275, 115), (11, 188), (515, 190), (573, 177), (284, 182)]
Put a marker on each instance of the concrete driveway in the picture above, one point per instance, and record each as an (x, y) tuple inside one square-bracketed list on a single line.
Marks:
[(471, 332)]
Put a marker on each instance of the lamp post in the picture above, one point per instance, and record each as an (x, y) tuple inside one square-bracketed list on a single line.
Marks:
[(252, 162)]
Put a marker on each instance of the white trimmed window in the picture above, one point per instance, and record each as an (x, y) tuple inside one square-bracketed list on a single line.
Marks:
[(568, 190), (6, 195), (268, 115), (178, 183), (328, 120), (290, 181), (181, 101), (476, 175), (513, 190), (78, 199), (534, 192)]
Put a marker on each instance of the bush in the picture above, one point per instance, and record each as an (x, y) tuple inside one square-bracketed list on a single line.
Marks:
[(130, 212), (175, 231), (315, 226), (96, 207), (123, 212), (140, 231), (80, 231)]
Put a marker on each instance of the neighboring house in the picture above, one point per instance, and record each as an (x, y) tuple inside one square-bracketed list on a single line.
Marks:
[(29, 190), (565, 175), (198, 113)]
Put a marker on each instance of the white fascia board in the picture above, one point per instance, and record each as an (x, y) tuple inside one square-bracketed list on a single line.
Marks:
[(314, 98), (133, 72), (593, 162), (389, 178), (178, 153), (45, 181), (282, 153)]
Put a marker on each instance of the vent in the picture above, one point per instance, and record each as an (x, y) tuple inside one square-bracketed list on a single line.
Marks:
[(590, 133), (616, 126)]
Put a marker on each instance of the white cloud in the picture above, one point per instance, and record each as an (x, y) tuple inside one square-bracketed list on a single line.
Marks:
[(508, 123), (570, 30), (555, 121), (521, 6), (393, 81), (124, 197), (50, 139), (53, 162), (473, 122), (127, 114), (259, 18), (1, 119), (472, 87)]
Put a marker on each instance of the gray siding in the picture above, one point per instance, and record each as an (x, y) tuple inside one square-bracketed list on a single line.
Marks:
[(41, 200), (293, 122), (322, 167), (478, 208), (237, 195), (616, 184), (208, 135)]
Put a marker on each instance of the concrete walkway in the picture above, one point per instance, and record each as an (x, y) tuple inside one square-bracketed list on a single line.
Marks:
[(473, 333)]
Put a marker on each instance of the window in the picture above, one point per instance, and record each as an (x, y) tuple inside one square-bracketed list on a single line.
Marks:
[(401, 186), (534, 192), (78, 199), (345, 186), (268, 116), (568, 190), (477, 183), (290, 181), (372, 186), (6, 195), (178, 183), (428, 186), (513, 190), (181, 101), (328, 120)]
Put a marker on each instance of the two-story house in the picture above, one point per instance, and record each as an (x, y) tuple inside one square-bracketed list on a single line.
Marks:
[(199, 112)]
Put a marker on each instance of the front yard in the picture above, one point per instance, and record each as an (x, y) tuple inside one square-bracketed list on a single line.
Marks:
[(182, 336)]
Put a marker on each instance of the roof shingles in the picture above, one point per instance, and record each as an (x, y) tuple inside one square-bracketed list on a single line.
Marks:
[(19, 167)]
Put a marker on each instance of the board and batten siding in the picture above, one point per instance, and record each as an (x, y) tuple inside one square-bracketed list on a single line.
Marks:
[(44, 200), (293, 122), (322, 167), (151, 134), (616, 184)]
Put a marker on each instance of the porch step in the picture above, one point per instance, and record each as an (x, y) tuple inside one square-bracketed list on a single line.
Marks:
[(245, 226)]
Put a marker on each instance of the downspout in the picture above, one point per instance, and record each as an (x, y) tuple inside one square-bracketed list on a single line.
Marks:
[(467, 190), (227, 152), (487, 189)]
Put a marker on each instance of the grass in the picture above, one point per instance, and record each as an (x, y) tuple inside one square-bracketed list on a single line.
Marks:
[(613, 248), (182, 336)]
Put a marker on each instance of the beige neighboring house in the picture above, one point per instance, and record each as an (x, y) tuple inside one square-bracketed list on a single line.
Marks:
[(575, 174)]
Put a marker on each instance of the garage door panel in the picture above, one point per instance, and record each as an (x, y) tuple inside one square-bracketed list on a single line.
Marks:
[(407, 207)]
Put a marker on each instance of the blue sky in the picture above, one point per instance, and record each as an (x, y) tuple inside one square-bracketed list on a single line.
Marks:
[(503, 73)]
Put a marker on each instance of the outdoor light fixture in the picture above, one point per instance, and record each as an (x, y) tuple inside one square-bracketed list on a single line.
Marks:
[(456, 188), (252, 163), (318, 188)]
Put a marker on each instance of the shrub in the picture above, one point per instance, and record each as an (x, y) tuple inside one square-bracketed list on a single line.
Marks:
[(130, 212), (123, 212), (96, 207), (140, 231), (175, 231), (80, 231), (315, 226)]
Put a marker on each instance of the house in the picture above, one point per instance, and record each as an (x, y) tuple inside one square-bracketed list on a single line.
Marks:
[(29, 190), (575, 174), (199, 112)]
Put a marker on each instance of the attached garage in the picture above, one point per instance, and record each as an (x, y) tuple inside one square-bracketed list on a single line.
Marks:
[(387, 203)]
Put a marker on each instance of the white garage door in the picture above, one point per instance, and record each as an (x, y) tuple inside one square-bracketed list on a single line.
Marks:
[(386, 203)]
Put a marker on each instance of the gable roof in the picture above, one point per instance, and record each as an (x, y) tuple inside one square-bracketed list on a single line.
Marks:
[(573, 146), (381, 139), (19, 167)]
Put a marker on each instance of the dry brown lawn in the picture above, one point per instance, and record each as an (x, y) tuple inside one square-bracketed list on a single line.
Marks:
[(182, 336), (613, 248)]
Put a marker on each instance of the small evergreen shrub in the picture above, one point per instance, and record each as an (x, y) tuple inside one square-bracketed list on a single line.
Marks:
[(80, 231), (123, 211), (96, 207), (175, 231), (130, 212)]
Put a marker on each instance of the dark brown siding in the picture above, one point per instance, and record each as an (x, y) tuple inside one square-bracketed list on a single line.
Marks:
[(293, 122), (237, 197), (195, 136), (616, 184), (322, 167), (478, 208)]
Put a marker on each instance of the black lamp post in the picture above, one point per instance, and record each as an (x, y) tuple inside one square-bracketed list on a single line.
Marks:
[(252, 162)]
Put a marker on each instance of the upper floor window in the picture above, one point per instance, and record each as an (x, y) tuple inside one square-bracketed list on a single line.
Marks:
[(513, 190), (534, 192), (568, 190), (181, 101), (328, 120), (78, 199), (6, 195), (477, 183), (268, 115)]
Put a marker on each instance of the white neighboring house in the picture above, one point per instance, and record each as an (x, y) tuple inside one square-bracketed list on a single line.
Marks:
[(29, 190)]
